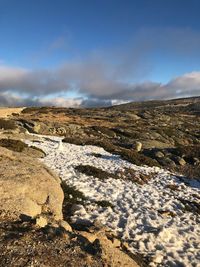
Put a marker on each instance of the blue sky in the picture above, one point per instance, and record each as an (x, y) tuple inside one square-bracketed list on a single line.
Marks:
[(98, 50)]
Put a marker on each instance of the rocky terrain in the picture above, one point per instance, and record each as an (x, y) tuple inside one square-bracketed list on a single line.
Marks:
[(167, 131), (111, 186), (155, 212), (32, 229)]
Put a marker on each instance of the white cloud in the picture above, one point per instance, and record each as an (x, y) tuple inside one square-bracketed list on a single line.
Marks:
[(10, 99), (37, 86), (61, 102), (188, 83), (103, 77), (11, 73), (93, 79)]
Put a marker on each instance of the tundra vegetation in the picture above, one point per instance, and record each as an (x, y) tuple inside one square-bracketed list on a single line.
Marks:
[(167, 130)]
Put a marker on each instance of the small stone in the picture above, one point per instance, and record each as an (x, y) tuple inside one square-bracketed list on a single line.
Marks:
[(89, 236), (77, 207), (116, 243), (66, 226), (36, 128), (60, 145), (134, 117), (196, 161), (159, 154), (158, 258), (181, 161), (167, 162), (138, 146), (41, 221), (126, 245)]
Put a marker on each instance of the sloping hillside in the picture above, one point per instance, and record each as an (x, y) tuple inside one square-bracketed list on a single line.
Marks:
[(169, 131)]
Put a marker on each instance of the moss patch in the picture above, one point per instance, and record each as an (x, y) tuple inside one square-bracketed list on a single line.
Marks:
[(95, 172), (134, 176), (19, 146), (14, 145), (7, 124), (104, 203), (189, 171), (188, 152), (71, 196), (38, 149), (138, 158)]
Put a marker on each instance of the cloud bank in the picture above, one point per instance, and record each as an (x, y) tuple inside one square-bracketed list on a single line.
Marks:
[(103, 79), (93, 81)]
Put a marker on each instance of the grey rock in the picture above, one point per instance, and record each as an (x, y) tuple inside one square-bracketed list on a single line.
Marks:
[(167, 162), (134, 116), (138, 146), (196, 161), (180, 160), (159, 154)]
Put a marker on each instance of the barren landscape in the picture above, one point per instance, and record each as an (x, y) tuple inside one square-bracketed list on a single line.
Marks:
[(99, 133), (129, 177), (6, 112)]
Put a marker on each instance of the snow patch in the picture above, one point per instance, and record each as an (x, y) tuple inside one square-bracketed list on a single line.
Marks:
[(150, 217)]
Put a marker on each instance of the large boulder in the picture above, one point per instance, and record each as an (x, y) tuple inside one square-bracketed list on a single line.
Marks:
[(149, 144), (27, 187)]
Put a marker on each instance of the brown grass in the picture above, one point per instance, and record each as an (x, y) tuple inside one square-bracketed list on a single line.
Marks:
[(19, 146), (95, 172), (134, 176), (14, 145), (188, 152), (138, 158), (125, 174), (189, 171), (7, 124)]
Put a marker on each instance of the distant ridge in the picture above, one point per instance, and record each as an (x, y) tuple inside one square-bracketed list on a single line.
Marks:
[(158, 103)]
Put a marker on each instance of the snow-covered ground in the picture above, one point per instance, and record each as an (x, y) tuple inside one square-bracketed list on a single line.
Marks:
[(150, 217)]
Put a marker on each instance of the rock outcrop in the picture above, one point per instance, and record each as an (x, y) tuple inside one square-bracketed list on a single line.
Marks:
[(28, 188), (110, 249)]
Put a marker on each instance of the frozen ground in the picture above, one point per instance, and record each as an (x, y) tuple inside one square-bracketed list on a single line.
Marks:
[(151, 217)]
